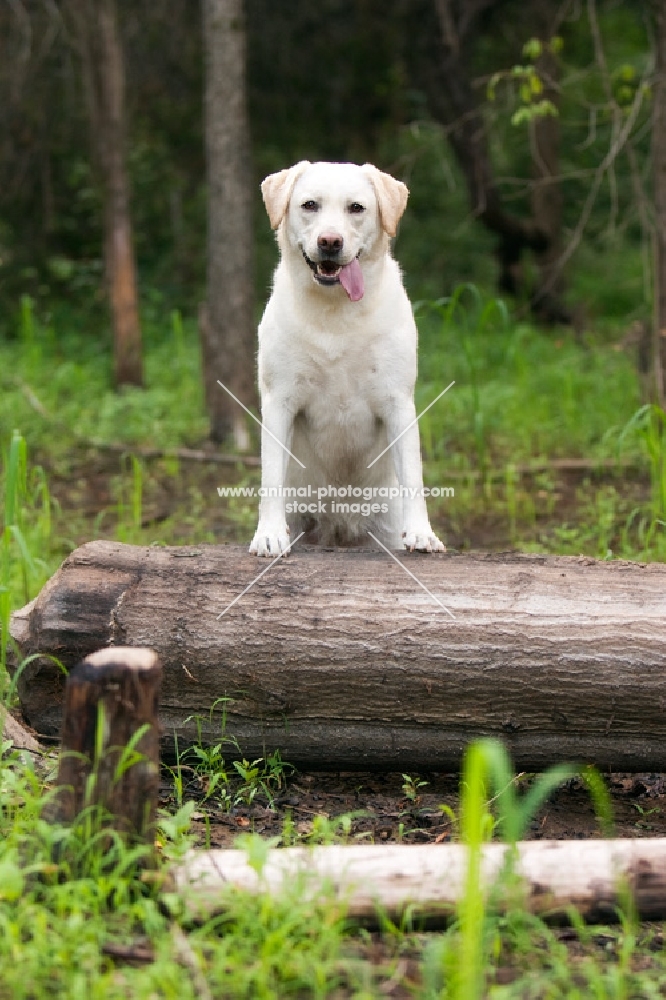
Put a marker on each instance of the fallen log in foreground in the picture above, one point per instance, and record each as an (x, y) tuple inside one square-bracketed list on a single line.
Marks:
[(593, 876), (340, 660)]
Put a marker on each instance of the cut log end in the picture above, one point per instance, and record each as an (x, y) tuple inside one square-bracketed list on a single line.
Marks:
[(110, 734), (128, 657)]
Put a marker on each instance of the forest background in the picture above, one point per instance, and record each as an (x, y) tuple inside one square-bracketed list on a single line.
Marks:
[(135, 253)]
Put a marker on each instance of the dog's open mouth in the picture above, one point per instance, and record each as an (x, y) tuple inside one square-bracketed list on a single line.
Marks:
[(330, 272)]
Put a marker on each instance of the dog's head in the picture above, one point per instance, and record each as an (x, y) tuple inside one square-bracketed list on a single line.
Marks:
[(336, 215)]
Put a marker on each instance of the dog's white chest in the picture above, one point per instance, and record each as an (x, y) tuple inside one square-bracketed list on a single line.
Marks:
[(338, 408)]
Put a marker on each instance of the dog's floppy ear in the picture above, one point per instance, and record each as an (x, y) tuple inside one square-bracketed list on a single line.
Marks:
[(391, 197), (276, 190)]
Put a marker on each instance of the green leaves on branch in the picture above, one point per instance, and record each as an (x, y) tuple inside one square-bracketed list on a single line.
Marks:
[(529, 83), (629, 85), (529, 113)]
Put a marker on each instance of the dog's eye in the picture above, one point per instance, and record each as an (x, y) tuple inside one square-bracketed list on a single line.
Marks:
[(310, 205), (356, 208)]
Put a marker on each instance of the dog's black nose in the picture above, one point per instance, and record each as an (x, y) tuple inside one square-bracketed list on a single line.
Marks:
[(330, 242)]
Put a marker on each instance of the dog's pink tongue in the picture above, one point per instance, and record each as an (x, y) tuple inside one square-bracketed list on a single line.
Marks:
[(351, 279)]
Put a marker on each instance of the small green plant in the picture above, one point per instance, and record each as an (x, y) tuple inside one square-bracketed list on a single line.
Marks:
[(452, 817), (26, 526), (648, 425), (643, 533), (251, 779), (510, 482), (266, 775), (487, 763), (326, 830), (411, 786), (238, 783), (27, 321), (129, 506), (645, 814), (210, 766), (177, 331)]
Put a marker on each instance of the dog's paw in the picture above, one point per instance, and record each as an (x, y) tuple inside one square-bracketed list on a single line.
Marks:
[(422, 540), (270, 541)]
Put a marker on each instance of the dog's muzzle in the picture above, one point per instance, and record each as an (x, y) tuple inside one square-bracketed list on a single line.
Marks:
[(326, 270)]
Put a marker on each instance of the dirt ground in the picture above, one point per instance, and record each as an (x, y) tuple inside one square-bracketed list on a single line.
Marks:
[(380, 812), (180, 502)]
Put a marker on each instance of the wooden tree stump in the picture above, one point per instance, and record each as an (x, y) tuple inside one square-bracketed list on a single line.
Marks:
[(340, 660), (110, 741)]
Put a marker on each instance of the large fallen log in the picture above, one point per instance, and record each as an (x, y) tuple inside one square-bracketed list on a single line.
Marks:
[(341, 660), (592, 876)]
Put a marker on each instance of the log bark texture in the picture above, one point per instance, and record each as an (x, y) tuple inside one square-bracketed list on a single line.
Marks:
[(110, 741), (591, 875), (340, 660)]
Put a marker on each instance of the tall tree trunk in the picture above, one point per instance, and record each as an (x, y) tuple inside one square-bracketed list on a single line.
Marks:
[(226, 319), (659, 172), (96, 23)]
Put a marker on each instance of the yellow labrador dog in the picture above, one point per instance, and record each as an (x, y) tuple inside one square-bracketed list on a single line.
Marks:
[(337, 366)]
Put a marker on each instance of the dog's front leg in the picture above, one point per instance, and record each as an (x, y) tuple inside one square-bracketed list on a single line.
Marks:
[(272, 535), (416, 533)]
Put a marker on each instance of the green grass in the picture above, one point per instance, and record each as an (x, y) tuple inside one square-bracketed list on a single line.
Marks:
[(71, 902), (26, 532), (520, 394), (67, 898), (69, 374)]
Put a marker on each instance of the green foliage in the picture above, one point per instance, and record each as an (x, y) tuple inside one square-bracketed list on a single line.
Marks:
[(645, 528), (71, 897), (519, 394), (526, 83), (60, 391), (325, 830), (462, 959), (411, 785), (235, 782), (648, 425), (26, 529), (51, 212), (266, 776), (129, 508), (487, 763)]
